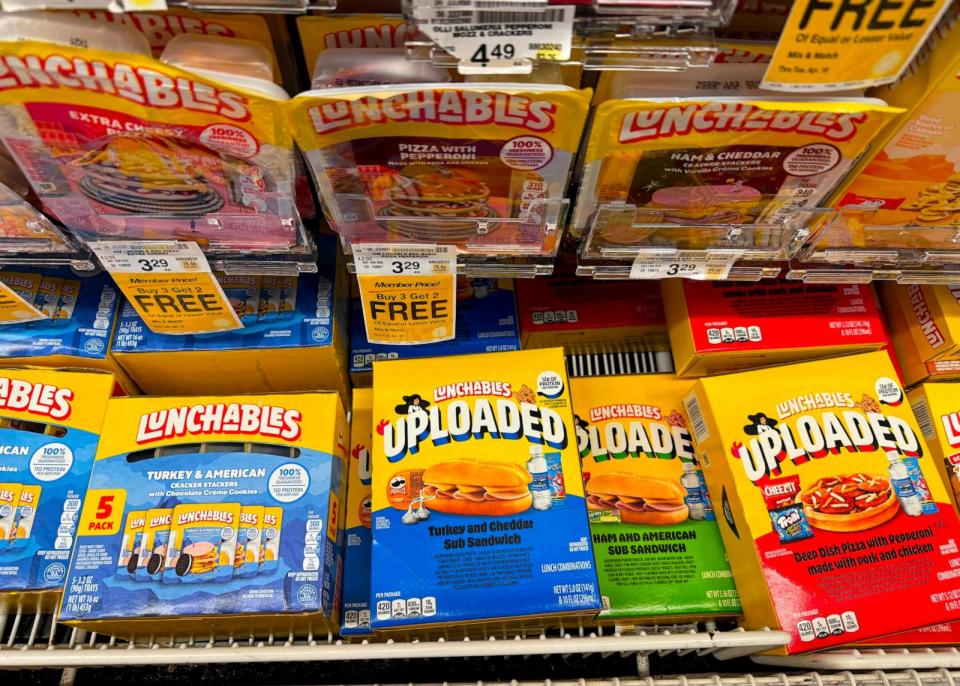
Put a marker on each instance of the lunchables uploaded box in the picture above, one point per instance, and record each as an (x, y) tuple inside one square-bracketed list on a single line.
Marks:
[(294, 338), (49, 427), (655, 537), (937, 409), (358, 517), (931, 314), (828, 500), (486, 322), (718, 326), (214, 515), (80, 313), (479, 514), (584, 316)]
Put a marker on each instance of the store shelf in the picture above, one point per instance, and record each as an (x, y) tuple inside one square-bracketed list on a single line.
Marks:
[(888, 658), (32, 641)]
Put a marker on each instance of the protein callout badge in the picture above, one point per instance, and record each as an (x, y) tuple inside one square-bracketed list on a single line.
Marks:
[(808, 428), (482, 411)]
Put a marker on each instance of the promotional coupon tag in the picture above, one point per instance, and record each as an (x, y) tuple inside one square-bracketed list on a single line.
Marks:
[(501, 40), (13, 308), (169, 284), (408, 292), (832, 45), (686, 264)]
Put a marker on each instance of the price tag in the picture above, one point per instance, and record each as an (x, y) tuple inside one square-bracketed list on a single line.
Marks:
[(832, 45), (14, 309), (408, 292), (504, 39), (169, 284), (686, 264)]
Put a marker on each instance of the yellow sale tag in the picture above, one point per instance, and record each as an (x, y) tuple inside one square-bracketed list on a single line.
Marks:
[(14, 309), (832, 45), (102, 512), (408, 292), (169, 284)]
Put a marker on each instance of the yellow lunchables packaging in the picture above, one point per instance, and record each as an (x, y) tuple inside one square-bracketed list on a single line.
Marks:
[(236, 501), (937, 409), (351, 32), (26, 514), (9, 500), (477, 494), (655, 537), (358, 517), (828, 500), (694, 161), (48, 294)]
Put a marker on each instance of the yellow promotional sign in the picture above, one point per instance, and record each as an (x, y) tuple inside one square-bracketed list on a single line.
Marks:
[(830, 45), (408, 292), (14, 309), (169, 284)]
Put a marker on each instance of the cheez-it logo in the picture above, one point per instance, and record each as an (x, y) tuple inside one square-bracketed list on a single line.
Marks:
[(45, 400)]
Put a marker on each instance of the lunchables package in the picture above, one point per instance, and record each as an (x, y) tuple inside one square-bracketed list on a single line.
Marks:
[(328, 38), (937, 409), (225, 517), (443, 162), (727, 160), (119, 145), (49, 427), (828, 500), (912, 177), (655, 537), (80, 314), (486, 322), (723, 326), (302, 344), (477, 495), (358, 518), (905, 309)]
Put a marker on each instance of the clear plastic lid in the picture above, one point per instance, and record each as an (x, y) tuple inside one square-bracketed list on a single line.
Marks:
[(65, 28), (240, 62), (350, 67)]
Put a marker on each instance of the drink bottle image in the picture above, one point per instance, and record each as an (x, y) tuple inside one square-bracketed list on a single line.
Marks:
[(694, 498), (709, 514), (920, 485), (558, 488), (540, 486), (903, 486)]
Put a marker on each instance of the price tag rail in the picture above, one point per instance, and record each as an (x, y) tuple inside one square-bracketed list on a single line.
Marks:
[(261, 6), (620, 234)]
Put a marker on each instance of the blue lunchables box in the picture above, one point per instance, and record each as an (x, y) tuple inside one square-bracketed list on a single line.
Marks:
[(80, 311), (294, 338), (472, 523), (356, 554), (49, 427), (211, 514), (486, 323)]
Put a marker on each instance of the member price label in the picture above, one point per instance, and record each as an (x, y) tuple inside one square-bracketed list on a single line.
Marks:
[(14, 309), (832, 45), (408, 292), (685, 264), (500, 40), (169, 284)]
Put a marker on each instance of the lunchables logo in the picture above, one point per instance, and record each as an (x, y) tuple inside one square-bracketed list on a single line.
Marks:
[(382, 36), (203, 516), (453, 107), (248, 518), (697, 118), (220, 418), (160, 28), (137, 523), (618, 440), (921, 312), (41, 399), (799, 437), (140, 85), (492, 414), (160, 520), (951, 427)]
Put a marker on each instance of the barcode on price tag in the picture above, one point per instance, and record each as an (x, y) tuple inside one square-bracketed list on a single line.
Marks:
[(686, 264)]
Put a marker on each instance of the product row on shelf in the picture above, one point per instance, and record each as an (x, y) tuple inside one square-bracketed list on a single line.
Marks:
[(179, 125)]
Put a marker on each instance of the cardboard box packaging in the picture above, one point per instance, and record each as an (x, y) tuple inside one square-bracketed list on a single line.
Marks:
[(478, 501), (82, 314), (945, 634), (718, 326), (655, 536), (925, 325), (583, 316), (486, 322), (356, 554), (828, 495), (49, 427), (294, 339), (937, 409), (238, 501)]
